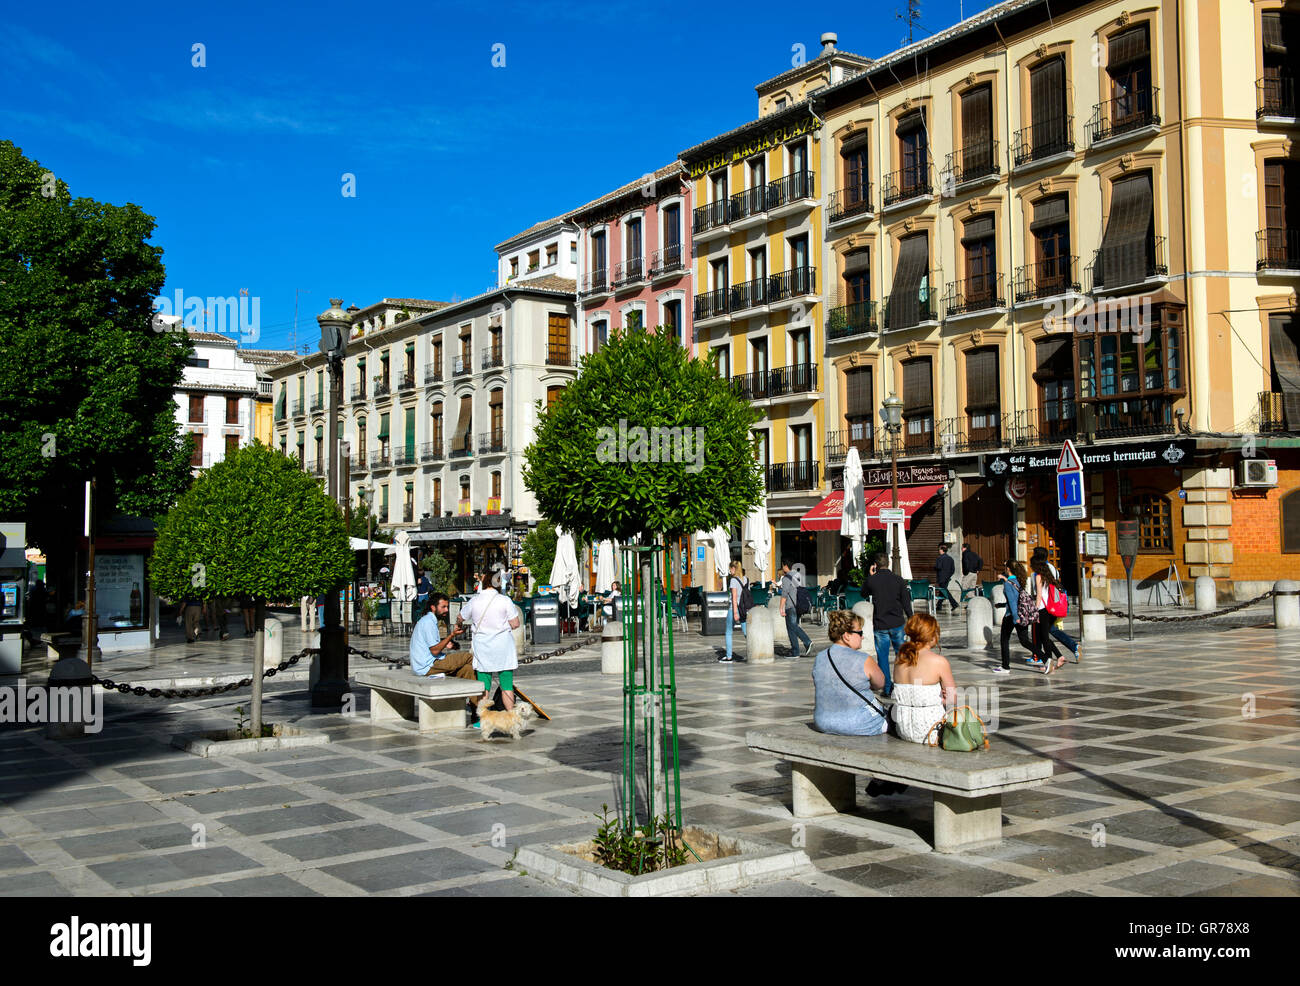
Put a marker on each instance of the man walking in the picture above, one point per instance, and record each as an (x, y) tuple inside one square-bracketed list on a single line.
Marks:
[(891, 605), (944, 569), (790, 610), (971, 564), (1040, 554)]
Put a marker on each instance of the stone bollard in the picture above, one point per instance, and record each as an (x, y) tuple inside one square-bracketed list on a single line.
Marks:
[(1094, 619), (68, 673), (979, 623), (761, 635), (867, 611), (1207, 596), (999, 605), (518, 631), (611, 647), (273, 652), (1286, 604)]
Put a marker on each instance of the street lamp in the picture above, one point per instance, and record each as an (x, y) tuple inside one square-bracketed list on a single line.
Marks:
[(891, 416), (363, 494)]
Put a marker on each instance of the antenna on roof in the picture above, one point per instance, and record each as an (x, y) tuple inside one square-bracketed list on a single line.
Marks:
[(912, 18)]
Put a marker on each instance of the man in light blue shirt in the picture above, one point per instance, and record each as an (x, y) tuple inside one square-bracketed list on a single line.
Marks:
[(427, 644)]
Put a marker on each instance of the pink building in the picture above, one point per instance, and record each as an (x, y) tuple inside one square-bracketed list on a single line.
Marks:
[(634, 258)]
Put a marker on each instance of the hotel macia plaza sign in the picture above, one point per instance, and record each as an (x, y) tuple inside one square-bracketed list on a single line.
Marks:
[(761, 142)]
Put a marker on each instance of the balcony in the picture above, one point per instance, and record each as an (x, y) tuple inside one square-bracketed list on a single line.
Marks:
[(595, 283), (433, 373), (264, 388), (1154, 267), (905, 313), (850, 203), (751, 294), (1047, 279), (462, 451), (788, 381), (793, 283), (406, 381), (973, 295), (493, 358), (1123, 116), (838, 444), (1277, 250), (297, 409), (972, 433), (280, 414), (382, 459), (1272, 416), (975, 161), (408, 513), (1135, 417), (749, 204), (463, 364), (559, 355), (1275, 98), (793, 477), (357, 464), (792, 190), (627, 273), (1049, 139), (404, 456), (713, 216), (847, 321), (751, 386), (491, 442), (317, 403), (432, 451), (908, 184), (711, 304), (359, 392), (381, 388), (667, 261)]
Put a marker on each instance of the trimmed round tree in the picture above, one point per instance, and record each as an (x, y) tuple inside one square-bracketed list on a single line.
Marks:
[(253, 525), (647, 441)]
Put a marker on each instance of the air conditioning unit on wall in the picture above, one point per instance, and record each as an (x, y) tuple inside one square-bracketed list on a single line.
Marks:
[(1257, 472)]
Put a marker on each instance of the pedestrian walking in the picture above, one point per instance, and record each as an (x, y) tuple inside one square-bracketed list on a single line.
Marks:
[(1012, 578), (971, 563), (790, 585), (248, 611), (1041, 583), (735, 589), (191, 610), (891, 606), (1058, 630), (944, 570)]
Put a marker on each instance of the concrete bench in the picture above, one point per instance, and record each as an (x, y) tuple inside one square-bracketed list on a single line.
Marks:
[(436, 703), (967, 787)]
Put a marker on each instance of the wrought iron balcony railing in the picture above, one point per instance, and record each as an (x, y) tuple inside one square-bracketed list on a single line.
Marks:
[(973, 161), (799, 378), (974, 294), (850, 202), (297, 409), (666, 260), (1106, 264), (359, 392), (751, 386), (791, 188), (595, 282), (787, 477), (1033, 143), (903, 313), (493, 357), (1275, 97), (463, 364), (750, 202), (405, 455), (1277, 249), (491, 441), (381, 459), (628, 272), (856, 319), (1124, 114), (711, 216), (432, 451), (793, 283), (560, 355), (1047, 278), (358, 463), (751, 294), (861, 437), (380, 388), (433, 373), (317, 403), (907, 183), (709, 304)]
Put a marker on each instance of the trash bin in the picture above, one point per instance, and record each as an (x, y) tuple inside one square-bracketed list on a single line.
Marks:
[(545, 616), (717, 610)]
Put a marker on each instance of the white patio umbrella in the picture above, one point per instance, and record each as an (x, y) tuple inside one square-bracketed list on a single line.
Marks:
[(359, 544), (564, 572), (402, 587), (721, 551), (605, 567), (758, 535), (853, 518), (904, 564)]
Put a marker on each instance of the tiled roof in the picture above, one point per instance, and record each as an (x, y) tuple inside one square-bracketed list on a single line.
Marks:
[(670, 170), (400, 302), (779, 80), (270, 357), (197, 335), (547, 282), (532, 231)]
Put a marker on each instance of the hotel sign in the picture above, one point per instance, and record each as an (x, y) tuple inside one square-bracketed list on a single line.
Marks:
[(765, 142), (1166, 454)]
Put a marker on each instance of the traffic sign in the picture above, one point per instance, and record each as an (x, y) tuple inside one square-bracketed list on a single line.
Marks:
[(1069, 485)]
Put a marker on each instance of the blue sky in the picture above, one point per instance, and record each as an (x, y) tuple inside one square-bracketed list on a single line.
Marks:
[(242, 161)]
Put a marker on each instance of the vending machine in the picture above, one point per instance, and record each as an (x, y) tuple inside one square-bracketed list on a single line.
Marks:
[(13, 595)]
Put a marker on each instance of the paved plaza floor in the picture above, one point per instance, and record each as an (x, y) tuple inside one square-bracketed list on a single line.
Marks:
[(1177, 773)]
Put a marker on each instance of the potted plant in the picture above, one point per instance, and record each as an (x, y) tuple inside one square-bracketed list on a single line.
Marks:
[(371, 625)]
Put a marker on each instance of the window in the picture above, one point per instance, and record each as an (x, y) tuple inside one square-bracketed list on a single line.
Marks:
[(1129, 375), (909, 296), (599, 334), (977, 159), (913, 156), (496, 354), (758, 356), (1053, 271), (673, 232), (1055, 378), (1280, 243), (496, 484), (437, 358), (918, 405), (857, 277), (1290, 511), (800, 348), (979, 245), (408, 379), (408, 434), (383, 502), (718, 185), (758, 266), (802, 435), (496, 411), (635, 320), (460, 440), (673, 318), (194, 361), (436, 426), (598, 252), (720, 278), (724, 360), (435, 504), (361, 437), (280, 402), (633, 241), (1155, 522), (232, 444), (780, 102), (196, 457), (573, 253), (196, 408), (1128, 248), (464, 488), (361, 379), (552, 255), (408, 502), (384, 434), (798, 152), (534, 260), (983, 406), (1050, 130), (1283, 411), (466, 348), (762, 449), (320, 388), (557, 339), (1128, 64), (859, 407), (232, 410), (552, 395), (857, 179), (385, 378)]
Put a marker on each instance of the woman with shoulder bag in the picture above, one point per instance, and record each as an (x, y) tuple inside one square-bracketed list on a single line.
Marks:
[(1045, 649), (843, 676), (1013, 587)]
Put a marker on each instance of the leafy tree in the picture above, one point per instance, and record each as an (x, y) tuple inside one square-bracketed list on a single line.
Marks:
[(591, 482), (539, 550), (358, 528), (441, 571), (253, 525), (86, 384)]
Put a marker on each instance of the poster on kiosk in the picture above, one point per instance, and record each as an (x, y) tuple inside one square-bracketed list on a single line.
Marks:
[(13, 595)]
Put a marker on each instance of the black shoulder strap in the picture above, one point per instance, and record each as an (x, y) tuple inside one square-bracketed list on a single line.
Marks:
[(879, 710)]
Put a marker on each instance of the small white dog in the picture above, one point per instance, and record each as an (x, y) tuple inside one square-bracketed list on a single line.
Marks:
[(510, 721)]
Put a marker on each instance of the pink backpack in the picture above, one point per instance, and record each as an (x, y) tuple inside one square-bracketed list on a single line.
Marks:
[(1058, 603)]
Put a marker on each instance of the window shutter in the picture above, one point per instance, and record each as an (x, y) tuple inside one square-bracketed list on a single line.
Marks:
[(464, 422), (918, 391), (1291, 522), (977, 129), (1127, 47), (383, 427), (1055, 359), (1124, 246), (859, 391), (979, 228), (1271, 28), (1282, 347), (853, 143), (857, 261), (910, 123), (982, 380), (410, 430), (320, 431), (1047, 105), (904, 296), (1050, 212)]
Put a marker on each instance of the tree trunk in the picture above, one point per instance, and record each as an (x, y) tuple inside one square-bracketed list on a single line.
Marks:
[(259, 656)]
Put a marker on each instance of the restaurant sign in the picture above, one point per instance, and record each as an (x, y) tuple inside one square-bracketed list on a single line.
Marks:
[(907, 476), (763, 142), (1165, 454)]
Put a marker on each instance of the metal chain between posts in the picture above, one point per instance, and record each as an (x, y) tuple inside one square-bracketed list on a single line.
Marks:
[(140, 691), (401, 662), (1196, 616)]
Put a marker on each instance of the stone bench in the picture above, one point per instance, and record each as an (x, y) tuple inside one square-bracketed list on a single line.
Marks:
[(967, 787), (436, 703)]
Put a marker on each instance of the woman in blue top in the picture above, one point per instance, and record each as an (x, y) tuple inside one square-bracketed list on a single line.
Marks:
[(1013, 583), (838, 708)]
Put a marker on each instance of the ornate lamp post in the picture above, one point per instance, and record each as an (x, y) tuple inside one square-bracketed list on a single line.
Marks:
[(333, 682), (891, 415)]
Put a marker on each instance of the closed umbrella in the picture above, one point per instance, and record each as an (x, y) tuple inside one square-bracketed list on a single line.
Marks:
[(402, 587), (721, 551), (893, 529), (758, 535), (605, 569), (853, 518), (564, 571)]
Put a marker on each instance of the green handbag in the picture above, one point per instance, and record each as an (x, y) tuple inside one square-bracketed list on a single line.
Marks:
[(964, 734)]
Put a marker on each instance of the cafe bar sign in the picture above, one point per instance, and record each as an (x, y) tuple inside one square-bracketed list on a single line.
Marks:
[(765, 142), (1146, 455)]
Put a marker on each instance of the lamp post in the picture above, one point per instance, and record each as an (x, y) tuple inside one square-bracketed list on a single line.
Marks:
[(891, 414), (333, 682)]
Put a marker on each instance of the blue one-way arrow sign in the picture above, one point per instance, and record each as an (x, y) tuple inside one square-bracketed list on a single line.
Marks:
[(1069, 485)]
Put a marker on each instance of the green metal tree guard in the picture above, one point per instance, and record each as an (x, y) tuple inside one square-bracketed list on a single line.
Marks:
[(649, 689)]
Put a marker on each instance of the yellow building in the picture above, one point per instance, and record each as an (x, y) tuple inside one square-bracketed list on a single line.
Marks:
[(263, 360), (757, 234), (1080, 223)]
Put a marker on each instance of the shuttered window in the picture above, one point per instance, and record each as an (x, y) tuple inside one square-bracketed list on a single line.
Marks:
[(857, 277), (196, 408), (1290, 510), (856, 176), (918, 392), (383, 428), (409, 434), (1048, 107), (196, 457), (982, 380), (858, 392), (464, 423), (857, 261), (906, 303), (1130, 229), (1128, 47), (977, 131), (436, 418), (496, 409), (558, 335), (1284, 355), (232, 410), (232, 444)]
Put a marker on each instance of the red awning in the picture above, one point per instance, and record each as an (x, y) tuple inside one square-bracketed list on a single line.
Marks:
[(826, 515)]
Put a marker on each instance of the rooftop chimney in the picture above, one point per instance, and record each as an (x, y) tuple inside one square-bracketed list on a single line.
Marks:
[(828, 42)]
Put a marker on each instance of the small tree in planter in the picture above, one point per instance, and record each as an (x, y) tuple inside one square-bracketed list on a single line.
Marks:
[(646, 443), (253, 525)]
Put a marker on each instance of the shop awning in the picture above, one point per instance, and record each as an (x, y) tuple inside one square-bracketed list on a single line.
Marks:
[(826, 515)]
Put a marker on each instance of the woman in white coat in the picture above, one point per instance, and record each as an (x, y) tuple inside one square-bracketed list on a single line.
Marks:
[(494, 619)]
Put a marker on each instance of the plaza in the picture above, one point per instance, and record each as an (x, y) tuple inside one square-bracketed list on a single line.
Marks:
[(1176, 773)]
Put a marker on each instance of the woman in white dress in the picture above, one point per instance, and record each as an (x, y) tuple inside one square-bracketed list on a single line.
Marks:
[(494, 619), (923, 683)]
